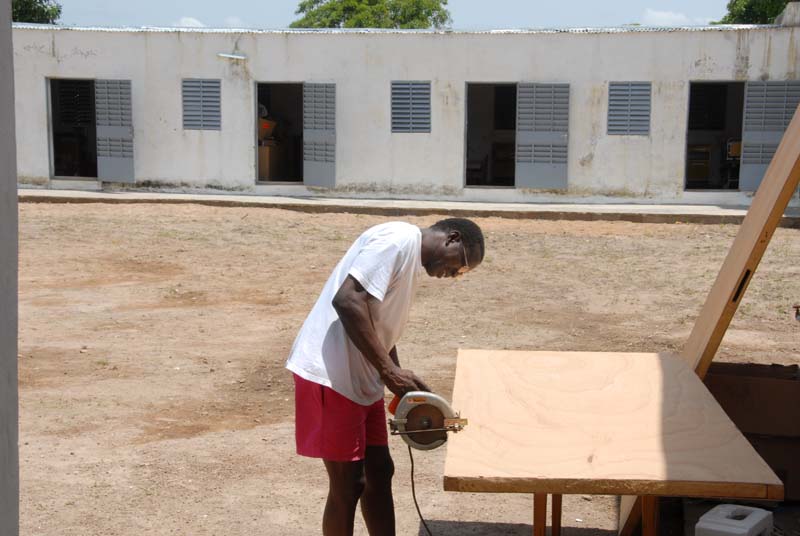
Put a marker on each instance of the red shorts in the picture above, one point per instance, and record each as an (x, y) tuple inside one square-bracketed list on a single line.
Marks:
[(333, 427)]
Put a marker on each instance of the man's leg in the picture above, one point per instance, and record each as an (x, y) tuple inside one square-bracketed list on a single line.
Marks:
[(377, 505), (346, 485)]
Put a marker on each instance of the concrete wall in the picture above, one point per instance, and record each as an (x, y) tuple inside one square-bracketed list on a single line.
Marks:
[(9, 461), (370, 159)]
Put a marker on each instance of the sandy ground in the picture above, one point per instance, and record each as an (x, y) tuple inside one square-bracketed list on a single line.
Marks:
[(153, 398)]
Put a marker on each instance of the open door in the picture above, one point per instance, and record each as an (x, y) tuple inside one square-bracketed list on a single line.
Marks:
[(319, 135), (542, 140), (114, 122), (768, 109)]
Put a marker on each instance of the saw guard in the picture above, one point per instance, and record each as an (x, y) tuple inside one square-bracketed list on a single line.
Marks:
[(415, 399)]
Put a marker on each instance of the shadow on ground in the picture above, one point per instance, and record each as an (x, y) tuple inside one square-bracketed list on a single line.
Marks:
[(480, 528)]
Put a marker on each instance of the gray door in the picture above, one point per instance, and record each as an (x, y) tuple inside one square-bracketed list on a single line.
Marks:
[(319, 135), (768, 109), (542, 128), (114, 122)]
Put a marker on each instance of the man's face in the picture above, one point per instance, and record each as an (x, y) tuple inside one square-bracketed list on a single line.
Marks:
[(450, 258)]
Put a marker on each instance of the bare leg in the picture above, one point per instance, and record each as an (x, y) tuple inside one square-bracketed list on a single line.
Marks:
[(377, 505), (346, 484)]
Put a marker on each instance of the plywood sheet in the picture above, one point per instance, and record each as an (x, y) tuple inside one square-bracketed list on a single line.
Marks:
[(595, 423)]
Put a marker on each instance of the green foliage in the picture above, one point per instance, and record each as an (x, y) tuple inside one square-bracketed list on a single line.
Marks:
[(39, 11), (753, 11), (404, 14)]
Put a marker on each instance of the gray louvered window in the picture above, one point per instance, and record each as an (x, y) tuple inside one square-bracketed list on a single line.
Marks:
[(319, 107), (770, 105), (629, 108), (114, 147), (525, 153), (768, 109), (411, 106), (758, 153), (543, 108), (542, 153), (201, 104), (113, 103), (319, 152), (549, 154)]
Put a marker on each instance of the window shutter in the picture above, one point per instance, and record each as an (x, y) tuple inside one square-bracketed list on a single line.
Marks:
[(319, 107), (319, 134), (201, 104), (411, 107), (113, 103), (768, 109), (770, 105), (114, 124), (759, 153), (629, 108), (542, 136)]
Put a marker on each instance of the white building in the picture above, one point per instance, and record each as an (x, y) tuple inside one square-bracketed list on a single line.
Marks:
[(681, 114)]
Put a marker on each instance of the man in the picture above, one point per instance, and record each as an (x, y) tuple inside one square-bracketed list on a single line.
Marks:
[(345, 353)]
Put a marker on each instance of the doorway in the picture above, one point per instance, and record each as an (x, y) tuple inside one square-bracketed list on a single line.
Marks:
[(491, 134), (72, 104), (280, 132), (714, 137)]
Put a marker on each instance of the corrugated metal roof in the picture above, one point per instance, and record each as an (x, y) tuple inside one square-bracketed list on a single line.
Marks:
[(347, 31)]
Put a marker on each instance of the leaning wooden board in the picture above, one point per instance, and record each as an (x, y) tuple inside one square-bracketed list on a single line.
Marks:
[(779, 184), (596, 423)]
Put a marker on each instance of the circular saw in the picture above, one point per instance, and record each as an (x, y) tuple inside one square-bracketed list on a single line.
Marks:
[(423, 419)]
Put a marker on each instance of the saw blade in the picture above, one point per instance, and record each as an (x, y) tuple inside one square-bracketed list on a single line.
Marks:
[(425, 417)]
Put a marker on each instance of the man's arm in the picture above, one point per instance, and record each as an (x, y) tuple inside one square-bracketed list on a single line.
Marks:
[(352, 305), (393, 355)]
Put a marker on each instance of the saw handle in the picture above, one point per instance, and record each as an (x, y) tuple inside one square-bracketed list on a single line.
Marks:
[(393, 404)]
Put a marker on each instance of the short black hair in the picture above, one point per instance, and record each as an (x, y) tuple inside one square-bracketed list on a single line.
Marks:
[(471, 234)]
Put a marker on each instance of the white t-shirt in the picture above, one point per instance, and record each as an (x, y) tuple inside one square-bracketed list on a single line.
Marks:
[(387, 261)]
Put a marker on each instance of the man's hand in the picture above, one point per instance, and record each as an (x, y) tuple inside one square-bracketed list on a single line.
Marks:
[(401, 381)]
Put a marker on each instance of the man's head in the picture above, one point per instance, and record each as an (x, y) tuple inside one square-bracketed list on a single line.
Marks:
[(452, 247)]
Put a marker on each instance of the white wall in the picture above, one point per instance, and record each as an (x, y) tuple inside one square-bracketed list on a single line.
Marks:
[(370, 159), (9, 457)]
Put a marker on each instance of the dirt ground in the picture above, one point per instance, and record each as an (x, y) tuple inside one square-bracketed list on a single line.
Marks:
[(153, 398)]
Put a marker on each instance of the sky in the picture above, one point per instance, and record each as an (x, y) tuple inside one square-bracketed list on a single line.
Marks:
[(466, 14)]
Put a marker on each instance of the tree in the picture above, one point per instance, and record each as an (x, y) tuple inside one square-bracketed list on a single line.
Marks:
[(39, 11), (753, 11), (405, 14)]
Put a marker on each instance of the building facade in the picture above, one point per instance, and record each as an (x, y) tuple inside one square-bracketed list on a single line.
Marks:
[(678, 115)]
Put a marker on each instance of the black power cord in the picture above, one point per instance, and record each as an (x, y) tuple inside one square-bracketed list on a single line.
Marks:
[(414, 493)]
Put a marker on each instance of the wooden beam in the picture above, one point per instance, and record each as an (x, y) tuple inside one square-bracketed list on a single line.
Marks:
[(555, 515), (779, 184), (539, 514), (649, 515)]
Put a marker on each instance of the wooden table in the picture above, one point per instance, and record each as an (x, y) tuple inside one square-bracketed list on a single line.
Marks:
[(596, 423)]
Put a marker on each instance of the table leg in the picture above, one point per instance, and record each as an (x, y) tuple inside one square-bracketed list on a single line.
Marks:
[(649, 516), (555, 515), (539, 513)]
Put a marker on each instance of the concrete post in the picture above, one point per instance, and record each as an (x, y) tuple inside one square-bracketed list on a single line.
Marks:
[(9, 453)]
